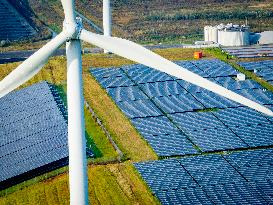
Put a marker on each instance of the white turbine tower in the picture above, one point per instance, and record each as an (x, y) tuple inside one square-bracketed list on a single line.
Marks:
[(107, 20), (72, 34)]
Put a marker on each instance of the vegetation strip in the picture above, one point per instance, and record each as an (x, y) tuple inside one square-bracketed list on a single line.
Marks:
[(99, 122)]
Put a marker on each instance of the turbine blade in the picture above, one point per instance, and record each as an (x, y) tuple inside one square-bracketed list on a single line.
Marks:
[(31, 66), (69, 11), (146, 57)]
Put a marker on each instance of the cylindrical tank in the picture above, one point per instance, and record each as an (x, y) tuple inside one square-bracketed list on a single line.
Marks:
[(233, 38), (214, 34), (206, 33)]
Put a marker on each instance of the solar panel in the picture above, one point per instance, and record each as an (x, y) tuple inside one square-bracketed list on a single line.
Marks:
[(99, 73), (163, 136), (115, 81), (257, 167), (189, 65), (210, 170), (268, 63), (258, 95), (33, 133), (143, 74), (232, 84), (216, 139), (240, 117), (170, 144), (191, 121), (155, 126), (189, 195), (262, 68), (190, 87), (139, 108), (250, 52), (178, 103), (255, 135), (164, 175), (215, 68), (212, 100), (165, 88), (126, 93), (215, 178), (235, 193)]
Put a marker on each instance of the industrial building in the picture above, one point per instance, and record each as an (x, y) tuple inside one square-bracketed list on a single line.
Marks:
[(228, 35), (235, 35)]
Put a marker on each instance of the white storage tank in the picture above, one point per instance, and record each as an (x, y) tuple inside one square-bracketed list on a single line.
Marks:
[(206, 33), (214, 34), (266, 37), (233, 38)]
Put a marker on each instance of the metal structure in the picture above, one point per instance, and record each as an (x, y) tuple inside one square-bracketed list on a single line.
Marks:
[(72, 33)]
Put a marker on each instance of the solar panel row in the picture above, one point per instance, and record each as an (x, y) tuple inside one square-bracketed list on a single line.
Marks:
[(33, 133), (263, 69), (239, 178), (250, 52)]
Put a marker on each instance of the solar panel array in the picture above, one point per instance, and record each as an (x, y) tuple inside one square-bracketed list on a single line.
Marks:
[(33, 133), (243, 177), (166, 110), (263, 69), (250, 52)]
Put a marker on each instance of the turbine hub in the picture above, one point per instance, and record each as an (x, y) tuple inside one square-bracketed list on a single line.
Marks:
[(73, 31)]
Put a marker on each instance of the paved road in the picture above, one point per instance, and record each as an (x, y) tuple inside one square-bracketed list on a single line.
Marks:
[(16, 56)]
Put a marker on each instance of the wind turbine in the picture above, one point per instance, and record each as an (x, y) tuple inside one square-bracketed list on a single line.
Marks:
[(107, 20), (72, 33)]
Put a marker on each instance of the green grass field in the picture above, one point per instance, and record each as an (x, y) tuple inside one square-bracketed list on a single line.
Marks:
[(110, 181)]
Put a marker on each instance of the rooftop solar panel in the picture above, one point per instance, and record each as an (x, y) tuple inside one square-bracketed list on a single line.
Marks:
[(33, 133)]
